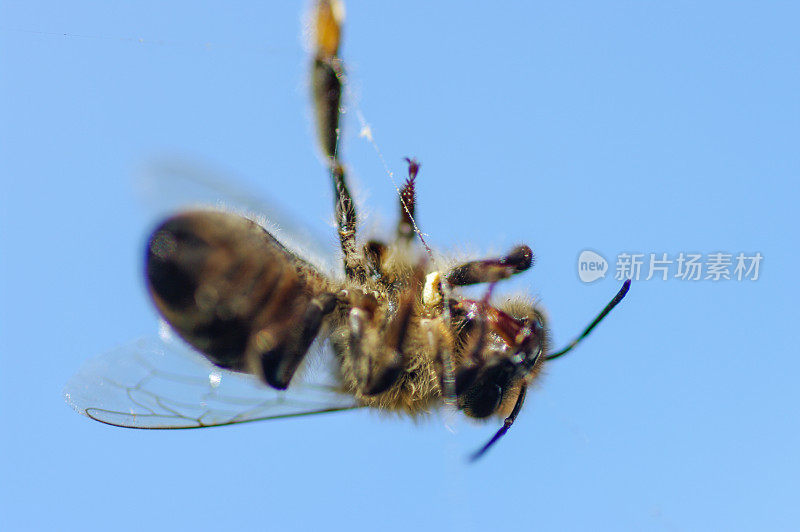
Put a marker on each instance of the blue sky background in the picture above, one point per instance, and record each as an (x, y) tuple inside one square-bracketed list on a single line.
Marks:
[(613, 126)]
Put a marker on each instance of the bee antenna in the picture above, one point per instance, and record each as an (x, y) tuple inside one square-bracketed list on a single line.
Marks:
[(611, 304), (518, 405), (506, 425)]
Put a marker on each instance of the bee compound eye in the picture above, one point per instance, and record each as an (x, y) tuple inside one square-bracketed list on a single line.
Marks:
[(483, 399)]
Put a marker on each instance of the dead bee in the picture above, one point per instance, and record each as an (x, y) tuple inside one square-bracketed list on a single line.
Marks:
[(403, 338)]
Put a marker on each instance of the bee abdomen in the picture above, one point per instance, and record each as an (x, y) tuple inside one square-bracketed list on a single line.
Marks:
[(233, 292)]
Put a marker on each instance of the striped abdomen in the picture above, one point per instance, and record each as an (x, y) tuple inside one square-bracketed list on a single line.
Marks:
[(232, 291)]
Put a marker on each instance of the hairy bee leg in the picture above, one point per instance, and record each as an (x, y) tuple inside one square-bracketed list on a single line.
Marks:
[(441, 344), (374, 370), (387, 365), (375, 253), (379, 359), (408, 200), (362, 344), (506, 425), (489, 270), (327, 72), (346, 223), (362, 309), (356, 321), (279, 363)]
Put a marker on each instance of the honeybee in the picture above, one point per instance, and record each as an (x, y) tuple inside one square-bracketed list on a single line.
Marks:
[(398, 334)]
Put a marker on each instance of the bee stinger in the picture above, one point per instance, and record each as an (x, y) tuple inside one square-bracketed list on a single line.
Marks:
[(402, 336)]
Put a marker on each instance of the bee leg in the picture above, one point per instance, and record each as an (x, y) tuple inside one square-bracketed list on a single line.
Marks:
[(327, 73), (357, 320), (490, 270), (346, 223), (362, 338), (278, 360), (376, 350), (408, 200), (372, 367), (441, 343), (386, 367), (393, 357), (375, 253)]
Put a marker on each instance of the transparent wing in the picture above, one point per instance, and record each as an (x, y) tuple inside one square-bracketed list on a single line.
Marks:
[(169, 184), (155, 383)]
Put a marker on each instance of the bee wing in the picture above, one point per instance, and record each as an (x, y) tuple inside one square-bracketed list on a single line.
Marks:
[(170, 184), (156, 383)]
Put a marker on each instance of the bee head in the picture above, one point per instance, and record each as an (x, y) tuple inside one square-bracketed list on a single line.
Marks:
[(502, 350)]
